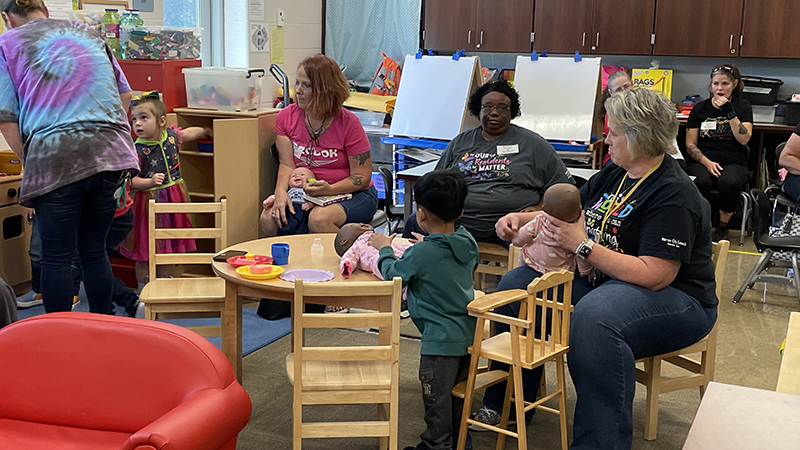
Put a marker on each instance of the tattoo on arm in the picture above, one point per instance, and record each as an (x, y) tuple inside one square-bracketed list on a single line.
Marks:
[(362, 158), (356, 179), (694, 152), (742, 128)]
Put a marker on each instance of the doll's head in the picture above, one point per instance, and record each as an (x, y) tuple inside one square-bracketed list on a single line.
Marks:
[(299, 177), (348, 234), (148, 116), (563, 201)]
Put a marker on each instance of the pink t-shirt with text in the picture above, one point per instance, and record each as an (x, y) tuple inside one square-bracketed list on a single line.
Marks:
[(328, 160)]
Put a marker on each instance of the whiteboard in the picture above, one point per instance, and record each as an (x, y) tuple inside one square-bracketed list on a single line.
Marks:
[(558, 96), (432, 98)]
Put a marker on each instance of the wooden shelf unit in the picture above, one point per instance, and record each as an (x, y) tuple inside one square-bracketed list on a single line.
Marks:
[(240, 168)]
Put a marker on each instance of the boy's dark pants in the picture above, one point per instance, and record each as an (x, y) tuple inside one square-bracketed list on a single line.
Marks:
[(438, 375)]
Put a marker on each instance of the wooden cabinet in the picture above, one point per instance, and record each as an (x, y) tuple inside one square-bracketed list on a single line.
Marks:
[(770, 29), (449, 24), (594, 26), (241, 167), (504, 26), (563, 26), (698, 28), (15, 266), (478, 25)]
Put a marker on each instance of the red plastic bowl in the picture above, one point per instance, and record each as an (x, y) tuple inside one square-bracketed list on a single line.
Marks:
[(239, 261)]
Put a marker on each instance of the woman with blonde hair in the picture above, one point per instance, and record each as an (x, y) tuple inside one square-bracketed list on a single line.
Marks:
[(645, 229), (318, 133)]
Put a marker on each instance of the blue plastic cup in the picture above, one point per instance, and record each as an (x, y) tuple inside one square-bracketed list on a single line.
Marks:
[(280, 253)]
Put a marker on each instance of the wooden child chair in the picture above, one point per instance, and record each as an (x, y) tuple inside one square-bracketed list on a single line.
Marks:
[(520, 349), (493, 260), (700, 372), (182, 298), (346, 375)]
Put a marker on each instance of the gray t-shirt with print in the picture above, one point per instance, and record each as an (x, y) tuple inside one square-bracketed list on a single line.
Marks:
[(504, 175)]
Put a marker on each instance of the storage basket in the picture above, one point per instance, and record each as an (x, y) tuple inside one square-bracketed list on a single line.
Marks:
[(223, 88)]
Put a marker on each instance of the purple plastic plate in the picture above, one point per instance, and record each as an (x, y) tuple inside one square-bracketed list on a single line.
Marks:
[(308, 275)]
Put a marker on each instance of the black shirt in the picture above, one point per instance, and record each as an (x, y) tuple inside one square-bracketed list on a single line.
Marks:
[(665, 217), (719, 144)]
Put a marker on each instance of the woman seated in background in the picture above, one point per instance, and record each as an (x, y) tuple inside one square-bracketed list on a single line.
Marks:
[(617, 82), (318, 133), (507, 168), (645, 230), (717, 133), (790, 160)]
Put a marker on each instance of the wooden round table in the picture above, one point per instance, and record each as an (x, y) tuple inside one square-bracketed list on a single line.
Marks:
[(277, 289)]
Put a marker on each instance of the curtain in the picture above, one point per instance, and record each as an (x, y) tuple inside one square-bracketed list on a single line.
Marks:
[(357, 31)]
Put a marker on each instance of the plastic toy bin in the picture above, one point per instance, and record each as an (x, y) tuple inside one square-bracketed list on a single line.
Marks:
[(223, 89), (160, 43)]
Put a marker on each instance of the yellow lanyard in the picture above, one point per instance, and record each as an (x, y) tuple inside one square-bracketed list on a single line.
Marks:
[(615, 204)]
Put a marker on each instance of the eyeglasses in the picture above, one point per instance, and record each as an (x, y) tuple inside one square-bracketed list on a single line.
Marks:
[(728, 69), (501, 109)]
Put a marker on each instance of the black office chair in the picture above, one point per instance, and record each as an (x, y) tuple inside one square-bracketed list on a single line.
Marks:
[(774, 190), (768, 246), (393, 212)]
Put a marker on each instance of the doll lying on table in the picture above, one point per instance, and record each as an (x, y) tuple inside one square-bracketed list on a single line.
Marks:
[(562, 201), (351, 244)]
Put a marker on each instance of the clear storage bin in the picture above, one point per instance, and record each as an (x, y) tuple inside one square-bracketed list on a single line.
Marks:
[(161, 43), (223, 88), (90, 17)]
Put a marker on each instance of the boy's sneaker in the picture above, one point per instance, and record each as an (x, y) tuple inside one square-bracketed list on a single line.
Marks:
[(487, 416), (404, 314), (29, 299)]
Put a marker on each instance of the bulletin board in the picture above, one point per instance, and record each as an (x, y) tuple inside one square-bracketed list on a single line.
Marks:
[(558, 96), (432, 97)]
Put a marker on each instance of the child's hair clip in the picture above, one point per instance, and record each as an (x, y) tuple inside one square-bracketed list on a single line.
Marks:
[(151, 94)]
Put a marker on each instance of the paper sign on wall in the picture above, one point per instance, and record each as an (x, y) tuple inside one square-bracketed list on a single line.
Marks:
[(259, 38), (257, 10), (276, 45)]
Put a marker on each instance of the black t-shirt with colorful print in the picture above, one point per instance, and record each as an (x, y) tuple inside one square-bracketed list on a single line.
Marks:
[(664, 217)]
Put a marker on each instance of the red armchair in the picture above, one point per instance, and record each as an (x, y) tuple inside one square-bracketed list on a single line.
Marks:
[(86, 381)]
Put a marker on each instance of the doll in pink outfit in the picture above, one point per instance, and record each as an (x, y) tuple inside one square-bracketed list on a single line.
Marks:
[(562, 201), (351, 244)]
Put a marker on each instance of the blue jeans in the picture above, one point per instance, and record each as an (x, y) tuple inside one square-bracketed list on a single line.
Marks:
[(77, 216), (611, 327)]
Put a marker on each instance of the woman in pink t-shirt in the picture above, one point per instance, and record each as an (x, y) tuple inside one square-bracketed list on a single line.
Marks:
[(316, 132)]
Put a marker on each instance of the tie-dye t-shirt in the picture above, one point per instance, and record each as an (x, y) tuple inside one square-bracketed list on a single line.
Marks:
[(61, 84)]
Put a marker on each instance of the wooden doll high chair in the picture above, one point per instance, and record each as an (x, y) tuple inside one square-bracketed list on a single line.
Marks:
[(520, 349), (185, 297)]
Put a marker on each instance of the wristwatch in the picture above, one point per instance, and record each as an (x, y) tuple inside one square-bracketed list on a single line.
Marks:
[(585, 249)]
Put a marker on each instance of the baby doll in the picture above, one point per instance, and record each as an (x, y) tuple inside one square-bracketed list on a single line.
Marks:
[(297, 180), (562, 201), (351, 244)]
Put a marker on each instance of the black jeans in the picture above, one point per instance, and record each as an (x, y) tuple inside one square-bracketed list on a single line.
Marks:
[(438, 375), (77, 217), (121, 295)]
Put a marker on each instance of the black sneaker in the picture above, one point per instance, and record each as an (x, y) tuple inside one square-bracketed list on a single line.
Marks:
[(721, 232), (404, 314)]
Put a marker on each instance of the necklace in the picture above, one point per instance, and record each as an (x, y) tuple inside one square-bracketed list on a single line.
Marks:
[(315, 134)]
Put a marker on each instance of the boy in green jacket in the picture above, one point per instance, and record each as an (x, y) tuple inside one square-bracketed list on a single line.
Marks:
[(438, 273)]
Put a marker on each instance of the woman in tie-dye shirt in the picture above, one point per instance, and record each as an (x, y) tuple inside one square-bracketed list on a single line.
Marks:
[(61, 110)]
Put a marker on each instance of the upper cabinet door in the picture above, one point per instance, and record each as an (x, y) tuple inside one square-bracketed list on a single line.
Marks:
[(504, 26), (563, 26), (450, 24), (770, 29), (623, 26), (698, 28)]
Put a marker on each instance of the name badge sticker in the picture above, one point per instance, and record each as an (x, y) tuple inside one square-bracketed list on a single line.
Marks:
[(709, 124), (507, 149)]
